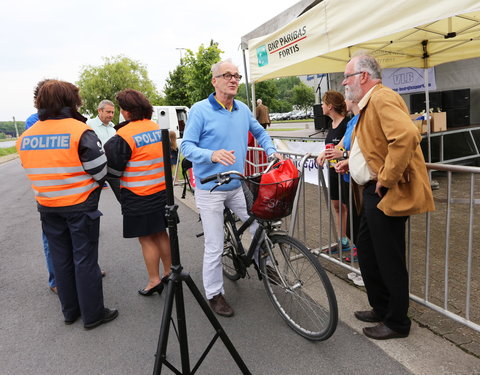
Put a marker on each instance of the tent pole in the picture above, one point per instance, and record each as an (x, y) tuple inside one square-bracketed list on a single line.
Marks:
[(427, 98), (246, 75), (253, 97), (427, 110)]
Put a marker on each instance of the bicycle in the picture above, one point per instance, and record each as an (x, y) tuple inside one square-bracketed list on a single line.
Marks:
[(294, 280)]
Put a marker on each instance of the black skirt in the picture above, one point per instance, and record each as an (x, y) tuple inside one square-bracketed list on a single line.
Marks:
[(144, 225)]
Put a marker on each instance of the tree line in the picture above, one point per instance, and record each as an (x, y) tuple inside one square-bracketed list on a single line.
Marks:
[(188, 83)]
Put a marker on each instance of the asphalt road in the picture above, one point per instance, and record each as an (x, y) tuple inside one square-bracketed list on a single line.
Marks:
[(34, 340)]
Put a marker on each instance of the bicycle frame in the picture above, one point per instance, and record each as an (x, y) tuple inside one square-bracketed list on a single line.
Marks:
[(265, 227)]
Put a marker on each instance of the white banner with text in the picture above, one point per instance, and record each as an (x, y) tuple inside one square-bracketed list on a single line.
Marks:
[(302, 147)]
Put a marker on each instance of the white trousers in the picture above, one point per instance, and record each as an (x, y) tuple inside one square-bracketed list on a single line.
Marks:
[(211, 206)]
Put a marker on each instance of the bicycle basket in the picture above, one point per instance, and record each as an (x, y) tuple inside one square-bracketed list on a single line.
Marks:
[(272, 200)]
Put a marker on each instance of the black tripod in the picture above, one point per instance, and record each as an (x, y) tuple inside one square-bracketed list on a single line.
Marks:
[(175, 291)]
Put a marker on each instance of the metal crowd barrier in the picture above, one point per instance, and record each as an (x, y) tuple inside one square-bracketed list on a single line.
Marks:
[(442, 246)]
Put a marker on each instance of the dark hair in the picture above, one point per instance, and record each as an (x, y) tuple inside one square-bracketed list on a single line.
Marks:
[(37, 88), (136, 103), (54, 98), (337, 100)]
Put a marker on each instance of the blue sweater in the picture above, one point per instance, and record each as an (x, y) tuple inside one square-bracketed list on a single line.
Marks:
[(211, 127), (347, 138)]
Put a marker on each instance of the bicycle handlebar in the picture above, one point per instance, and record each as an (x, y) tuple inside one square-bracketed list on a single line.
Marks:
[(225, 177)]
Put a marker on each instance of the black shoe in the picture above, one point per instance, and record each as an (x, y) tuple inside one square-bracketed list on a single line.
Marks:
[(157, 288), (382, 332), (107, 317), (368, 316), (71, 321)]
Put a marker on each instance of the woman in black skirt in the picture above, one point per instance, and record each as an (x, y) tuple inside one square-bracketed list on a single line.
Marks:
[(135, 155), (333, 106)]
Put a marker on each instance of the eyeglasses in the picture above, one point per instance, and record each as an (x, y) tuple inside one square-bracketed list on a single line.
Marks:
[(228, 76), (345, 76)]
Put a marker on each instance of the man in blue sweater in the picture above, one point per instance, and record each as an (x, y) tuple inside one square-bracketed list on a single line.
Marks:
[(215, 140)]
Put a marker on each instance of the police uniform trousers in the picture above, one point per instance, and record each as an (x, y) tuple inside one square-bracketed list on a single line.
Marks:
[(73, 240), (381, 256)]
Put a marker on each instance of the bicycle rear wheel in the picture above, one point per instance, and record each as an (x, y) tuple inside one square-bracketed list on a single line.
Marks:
[(298, 287), (229, 256)]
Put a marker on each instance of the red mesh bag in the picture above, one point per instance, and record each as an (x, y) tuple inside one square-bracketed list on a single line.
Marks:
[(271, 195)]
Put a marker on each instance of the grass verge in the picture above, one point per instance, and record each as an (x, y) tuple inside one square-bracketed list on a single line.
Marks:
[(8, 151)]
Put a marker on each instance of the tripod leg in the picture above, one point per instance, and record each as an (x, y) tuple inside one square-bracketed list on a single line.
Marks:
[(216, 324), (164, 329), (182, 325)]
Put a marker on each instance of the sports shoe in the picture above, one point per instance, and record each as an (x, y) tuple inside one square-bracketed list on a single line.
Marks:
[(347, 258), (352, 275), (358, 281), (220, 306), (334, 249)]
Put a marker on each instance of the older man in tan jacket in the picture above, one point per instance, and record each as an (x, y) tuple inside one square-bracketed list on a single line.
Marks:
[(262, 114), (390, 182)]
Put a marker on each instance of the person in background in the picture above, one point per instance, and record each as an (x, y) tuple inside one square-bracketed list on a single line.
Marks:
[(390, 182), (262, 114), (333, 106), (135, 155), (342, 156), (63, 159), (215, 140), (173, 151), (103, 126), (31, 120)]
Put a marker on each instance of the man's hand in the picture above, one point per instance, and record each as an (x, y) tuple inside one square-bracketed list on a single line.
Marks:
[(342, 166), (378, 189), (223, 157), (276, 155)]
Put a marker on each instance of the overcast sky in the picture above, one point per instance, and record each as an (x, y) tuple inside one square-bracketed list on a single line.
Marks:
[(55, 39)]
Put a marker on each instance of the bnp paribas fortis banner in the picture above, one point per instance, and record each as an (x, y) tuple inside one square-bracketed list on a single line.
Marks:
[(281, 47), (281, 50)]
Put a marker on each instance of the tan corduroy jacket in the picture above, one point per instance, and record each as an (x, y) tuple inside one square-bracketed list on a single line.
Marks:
[(390, 143), (262, 114)]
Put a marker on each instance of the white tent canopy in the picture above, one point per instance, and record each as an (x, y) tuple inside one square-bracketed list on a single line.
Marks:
[(399, 33)]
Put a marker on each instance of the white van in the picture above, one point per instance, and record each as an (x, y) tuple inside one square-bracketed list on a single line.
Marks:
[(171, 117)]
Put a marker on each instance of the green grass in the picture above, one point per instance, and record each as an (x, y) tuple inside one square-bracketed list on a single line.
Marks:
[(294, 121), (8, 151)]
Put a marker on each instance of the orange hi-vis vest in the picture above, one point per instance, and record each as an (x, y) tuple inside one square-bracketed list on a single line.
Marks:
[(144, 173), (49, 155)]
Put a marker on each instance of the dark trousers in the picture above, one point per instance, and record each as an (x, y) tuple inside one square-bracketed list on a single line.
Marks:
[(73, 241), (381, 255)]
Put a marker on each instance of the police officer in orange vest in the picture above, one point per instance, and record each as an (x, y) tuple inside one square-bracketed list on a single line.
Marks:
[(135, 155), (63, 158)]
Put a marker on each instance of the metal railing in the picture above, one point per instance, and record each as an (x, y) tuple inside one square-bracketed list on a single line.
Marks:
[(443, 247)]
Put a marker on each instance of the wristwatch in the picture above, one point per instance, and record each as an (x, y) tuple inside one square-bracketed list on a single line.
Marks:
[(345, 154)]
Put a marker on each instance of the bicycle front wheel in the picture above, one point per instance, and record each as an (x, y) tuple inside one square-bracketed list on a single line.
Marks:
[(298, 287), (229, 257)]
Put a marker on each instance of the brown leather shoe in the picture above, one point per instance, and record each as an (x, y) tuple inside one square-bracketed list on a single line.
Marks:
[(368, 316), (220, 306), (382, 332)]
